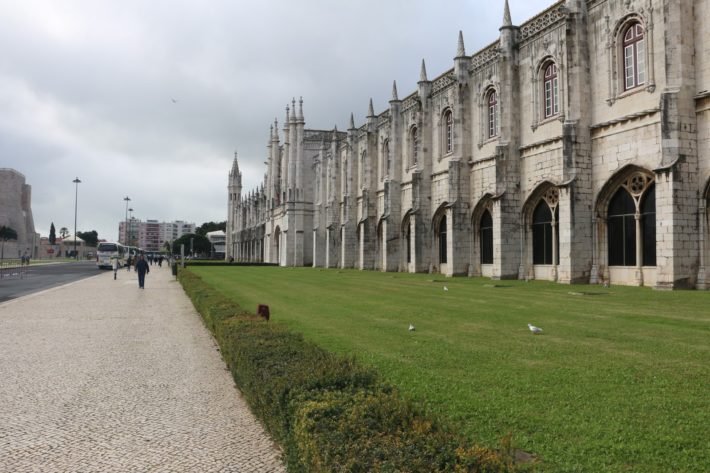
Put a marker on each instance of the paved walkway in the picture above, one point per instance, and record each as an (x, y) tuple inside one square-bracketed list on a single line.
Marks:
[(101, 376)]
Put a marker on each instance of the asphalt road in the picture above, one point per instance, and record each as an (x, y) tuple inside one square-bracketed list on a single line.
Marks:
[(15, 283)]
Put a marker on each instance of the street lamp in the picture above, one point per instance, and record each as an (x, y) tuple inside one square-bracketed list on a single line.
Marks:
[(125, 228), (130, 227), (76, 200)]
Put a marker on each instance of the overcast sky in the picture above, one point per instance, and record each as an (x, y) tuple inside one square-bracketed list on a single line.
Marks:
[(150, 99)]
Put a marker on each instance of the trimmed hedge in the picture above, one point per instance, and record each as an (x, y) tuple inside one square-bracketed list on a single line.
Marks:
[(328, 413)]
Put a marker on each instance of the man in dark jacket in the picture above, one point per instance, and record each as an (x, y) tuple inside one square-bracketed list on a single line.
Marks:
[(142, 268)]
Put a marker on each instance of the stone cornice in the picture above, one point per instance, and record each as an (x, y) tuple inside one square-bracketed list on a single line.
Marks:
[(543, 21), (625, 118), (443, 82), (484, 57), (540, 143)]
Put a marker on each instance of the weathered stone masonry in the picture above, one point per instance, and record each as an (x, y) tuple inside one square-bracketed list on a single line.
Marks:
[(575, 148)]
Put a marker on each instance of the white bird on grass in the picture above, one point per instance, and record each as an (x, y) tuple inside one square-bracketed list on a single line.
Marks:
[(534, 330), (411, 328), (446, 288)]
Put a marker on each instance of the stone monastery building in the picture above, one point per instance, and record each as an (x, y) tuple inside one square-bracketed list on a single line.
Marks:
[(574, 148)]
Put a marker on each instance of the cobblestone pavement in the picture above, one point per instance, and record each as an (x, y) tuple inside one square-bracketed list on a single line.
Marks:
[(101, 376)]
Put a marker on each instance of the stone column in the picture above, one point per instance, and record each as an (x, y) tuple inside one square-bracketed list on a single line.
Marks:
[(639, 249), (703, 212)]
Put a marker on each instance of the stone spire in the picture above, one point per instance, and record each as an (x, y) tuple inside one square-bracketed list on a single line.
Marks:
[(460, 49), (300, 110), (275, 134), (507, 21), (394, 91), (288, 117), (352, 121), (293, 109), (370, 109), (235, 166), (422, 73)]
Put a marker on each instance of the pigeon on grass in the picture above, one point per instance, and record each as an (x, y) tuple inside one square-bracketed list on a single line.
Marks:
[(534, 330)]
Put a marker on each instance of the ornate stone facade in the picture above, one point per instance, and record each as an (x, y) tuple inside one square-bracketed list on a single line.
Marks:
[(575, 148)]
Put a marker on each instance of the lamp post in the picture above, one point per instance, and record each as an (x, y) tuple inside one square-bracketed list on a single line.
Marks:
[(76, 200), (125, 228), (130, 227)]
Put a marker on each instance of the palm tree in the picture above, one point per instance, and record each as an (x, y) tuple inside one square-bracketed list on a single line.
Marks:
[(63, 232)]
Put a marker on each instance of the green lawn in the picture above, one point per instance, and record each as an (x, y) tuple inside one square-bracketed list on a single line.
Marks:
[(619, 381)]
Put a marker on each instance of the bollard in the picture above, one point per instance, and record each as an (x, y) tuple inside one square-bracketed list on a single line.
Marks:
[(263, 311)]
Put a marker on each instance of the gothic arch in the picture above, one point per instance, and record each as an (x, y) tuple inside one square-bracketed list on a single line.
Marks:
[(540, 217), (406, 237), (625, 236), (440, 236), (379, 243), (276, 245), (612, 185), (704, 232), (478, 240)]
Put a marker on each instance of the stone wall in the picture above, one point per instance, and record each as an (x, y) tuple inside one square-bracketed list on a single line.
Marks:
[(16, 213)]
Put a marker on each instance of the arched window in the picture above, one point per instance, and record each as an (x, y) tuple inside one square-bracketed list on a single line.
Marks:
[(442, 240), (634, 56), (486, 238), (542, 234), (386, 164), (413, 146), (448, 129), (363, 171), (621, 229), (550, 89), (492, 114), (648, 226), (345, 184), (408, 236)]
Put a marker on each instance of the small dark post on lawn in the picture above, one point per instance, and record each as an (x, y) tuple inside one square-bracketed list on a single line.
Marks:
[(263, 311)]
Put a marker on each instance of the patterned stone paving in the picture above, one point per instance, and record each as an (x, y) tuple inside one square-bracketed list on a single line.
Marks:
[(101, 376)]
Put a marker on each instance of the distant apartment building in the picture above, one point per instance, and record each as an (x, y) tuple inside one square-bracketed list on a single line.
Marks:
[(151, 235)]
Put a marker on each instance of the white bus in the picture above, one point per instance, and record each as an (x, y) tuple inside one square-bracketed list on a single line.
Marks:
[(106, 251)]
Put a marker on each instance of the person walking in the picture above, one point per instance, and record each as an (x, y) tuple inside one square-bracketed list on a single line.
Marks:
[(114, 265), (142, 269), (128, 263)]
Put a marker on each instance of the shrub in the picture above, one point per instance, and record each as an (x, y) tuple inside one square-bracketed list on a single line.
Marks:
[(328, 413)]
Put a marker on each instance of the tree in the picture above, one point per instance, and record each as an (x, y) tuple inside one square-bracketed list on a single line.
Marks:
[(6, 233), (200, 244), (211, 227), (64, 232), (52, 235), (90, 238)]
